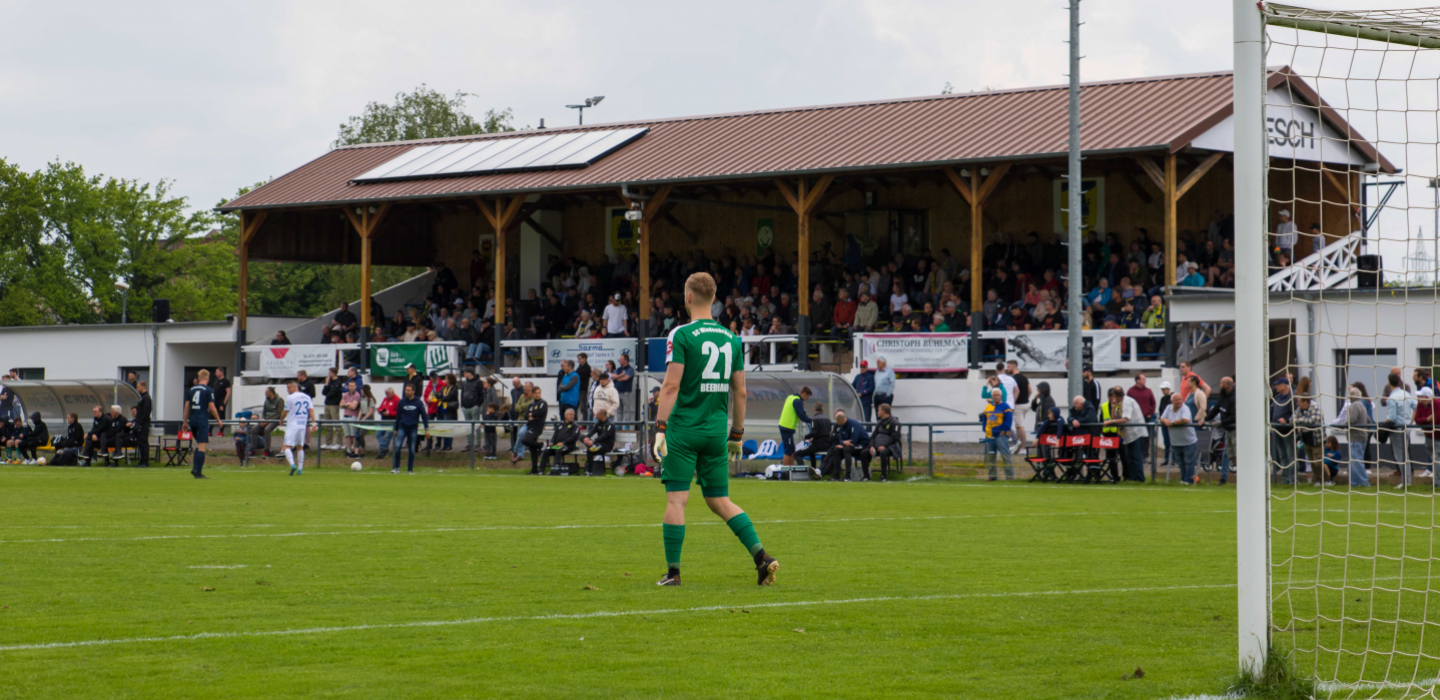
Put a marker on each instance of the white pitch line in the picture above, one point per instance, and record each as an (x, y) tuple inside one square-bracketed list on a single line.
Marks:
[(487, 528), (219, 566), (597, 614)]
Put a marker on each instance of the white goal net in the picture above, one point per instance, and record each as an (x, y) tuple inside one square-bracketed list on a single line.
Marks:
[(1352, 181)]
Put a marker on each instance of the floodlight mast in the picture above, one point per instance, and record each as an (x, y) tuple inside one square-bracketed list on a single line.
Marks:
[(1076, 210), (589, 102)]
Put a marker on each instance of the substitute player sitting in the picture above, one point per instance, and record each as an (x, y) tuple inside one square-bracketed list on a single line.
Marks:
[(703, 394), (299, 418)]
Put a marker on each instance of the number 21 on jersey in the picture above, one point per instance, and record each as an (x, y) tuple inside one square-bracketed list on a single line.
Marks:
[(713, 356)]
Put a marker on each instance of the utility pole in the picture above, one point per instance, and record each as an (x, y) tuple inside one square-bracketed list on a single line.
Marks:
[(1075, 209)]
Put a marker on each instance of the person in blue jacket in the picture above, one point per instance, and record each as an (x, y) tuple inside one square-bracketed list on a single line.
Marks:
[(408, 416), (851, 441), (864, 384)]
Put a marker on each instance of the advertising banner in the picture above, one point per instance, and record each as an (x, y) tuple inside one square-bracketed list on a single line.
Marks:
[(919, 352), (1047, 351), (597, 350), (389, 359), (285, 361)]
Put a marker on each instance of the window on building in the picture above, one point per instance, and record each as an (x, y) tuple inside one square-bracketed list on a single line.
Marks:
[(142, 374), (32, 373), (1369, 366)]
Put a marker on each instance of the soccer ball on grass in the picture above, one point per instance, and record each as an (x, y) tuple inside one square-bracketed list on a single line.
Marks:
[(356, 466), (40, 461)]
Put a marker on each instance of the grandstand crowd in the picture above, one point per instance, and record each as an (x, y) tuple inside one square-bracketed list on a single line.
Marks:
[(1024, 283)]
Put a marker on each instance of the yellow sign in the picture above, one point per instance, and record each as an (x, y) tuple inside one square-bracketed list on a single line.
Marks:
[(1092, 201), (620, 233)]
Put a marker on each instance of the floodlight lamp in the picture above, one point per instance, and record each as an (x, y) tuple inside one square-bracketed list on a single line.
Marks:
[(594, 100), (122, 285)]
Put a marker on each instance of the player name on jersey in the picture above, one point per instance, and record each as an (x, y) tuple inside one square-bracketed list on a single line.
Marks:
[(712, 387)]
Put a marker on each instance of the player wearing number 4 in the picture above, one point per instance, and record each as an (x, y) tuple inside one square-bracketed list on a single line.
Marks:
[(201, 402), (299, 416), (703, 394)]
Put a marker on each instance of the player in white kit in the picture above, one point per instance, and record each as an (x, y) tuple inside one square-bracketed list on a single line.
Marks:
[(299, 416)]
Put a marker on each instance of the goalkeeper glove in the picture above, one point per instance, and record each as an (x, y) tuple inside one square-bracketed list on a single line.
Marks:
[(733, 442), (660, 448)]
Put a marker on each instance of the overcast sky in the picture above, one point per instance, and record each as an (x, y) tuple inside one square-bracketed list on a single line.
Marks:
[(214, 96)]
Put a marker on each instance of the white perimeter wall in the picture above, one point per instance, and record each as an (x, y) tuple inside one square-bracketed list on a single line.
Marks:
[(98, 352)]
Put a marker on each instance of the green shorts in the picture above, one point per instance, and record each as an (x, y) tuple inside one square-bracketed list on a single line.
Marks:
[(704, 459)]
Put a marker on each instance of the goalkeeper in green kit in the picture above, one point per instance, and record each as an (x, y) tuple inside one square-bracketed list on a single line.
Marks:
[(702, 397)]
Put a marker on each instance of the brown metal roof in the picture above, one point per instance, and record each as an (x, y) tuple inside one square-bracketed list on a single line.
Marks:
[(1145, 114)]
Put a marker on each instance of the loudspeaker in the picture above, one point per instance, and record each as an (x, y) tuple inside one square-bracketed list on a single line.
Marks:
[(161, 310), (1368, 272)]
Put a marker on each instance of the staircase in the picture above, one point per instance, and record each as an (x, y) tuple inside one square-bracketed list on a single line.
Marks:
[(1331, 267)]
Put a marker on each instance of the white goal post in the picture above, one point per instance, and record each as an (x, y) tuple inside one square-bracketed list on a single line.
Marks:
[(1252, 338), (1337, 575)]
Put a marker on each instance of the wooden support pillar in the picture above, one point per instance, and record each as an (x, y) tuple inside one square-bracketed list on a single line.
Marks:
[(804, 199), (648, 214), (975, 193), (366, 219), (1171, 199), (249, 226), (502, 217)]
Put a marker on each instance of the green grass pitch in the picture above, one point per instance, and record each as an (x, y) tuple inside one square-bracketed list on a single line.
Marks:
[(123, 583)]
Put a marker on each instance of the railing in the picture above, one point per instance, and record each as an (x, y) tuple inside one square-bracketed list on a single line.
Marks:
[(1331, 267), (1201, 339), (1045, 351), (317, 359)]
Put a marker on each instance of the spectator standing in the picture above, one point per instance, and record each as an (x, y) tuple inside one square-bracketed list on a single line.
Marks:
[(1021, 401), (884, 383), (1285, 236), (1395, 429), (1220, 413), (1282, 430), (1310, 427), (605, 396), (472, 394), (1359, 425), (997, 419), (567, 387), (1180, 425), (624, 379), (223, 393), (1090, 386), (350, 413), (1041, 404), (332, 392), (1186, 372), (1121, 416), (1428, 423), (582, 369), (864, 384), (616, 318)]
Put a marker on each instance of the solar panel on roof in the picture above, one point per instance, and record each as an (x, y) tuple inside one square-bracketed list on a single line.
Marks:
[(538, 152)]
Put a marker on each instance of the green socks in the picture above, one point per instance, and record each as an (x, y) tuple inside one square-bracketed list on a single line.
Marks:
[(741, 526), (674, 540)]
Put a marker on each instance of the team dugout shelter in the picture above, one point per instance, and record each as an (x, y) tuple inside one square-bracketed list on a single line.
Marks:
[(902, 176)]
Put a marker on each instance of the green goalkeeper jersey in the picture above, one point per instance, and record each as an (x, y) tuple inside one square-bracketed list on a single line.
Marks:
[(710, 353)]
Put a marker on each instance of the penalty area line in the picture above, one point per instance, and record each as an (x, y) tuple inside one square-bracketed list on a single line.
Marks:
[(595, 615)]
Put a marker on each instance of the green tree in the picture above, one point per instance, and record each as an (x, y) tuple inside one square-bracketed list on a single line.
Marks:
[(66, 237), (422, 114)]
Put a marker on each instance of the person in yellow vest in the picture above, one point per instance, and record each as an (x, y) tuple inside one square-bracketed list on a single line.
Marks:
[(791, 413)]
